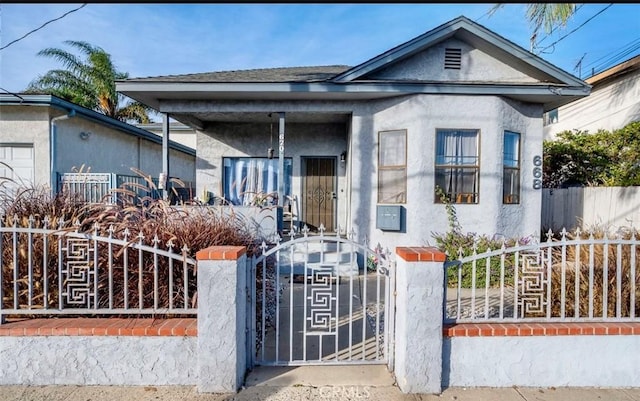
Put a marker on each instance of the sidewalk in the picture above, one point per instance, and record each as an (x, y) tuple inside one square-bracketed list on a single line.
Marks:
[(311, 383), (295, 393)]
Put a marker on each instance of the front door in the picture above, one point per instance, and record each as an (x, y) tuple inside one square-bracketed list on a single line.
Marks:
[(319, 192)]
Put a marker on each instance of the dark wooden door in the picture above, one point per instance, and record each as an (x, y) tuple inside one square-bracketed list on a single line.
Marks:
[(319, 192)]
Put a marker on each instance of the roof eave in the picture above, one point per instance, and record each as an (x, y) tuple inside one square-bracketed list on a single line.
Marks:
[(443, 32), (53, 101)]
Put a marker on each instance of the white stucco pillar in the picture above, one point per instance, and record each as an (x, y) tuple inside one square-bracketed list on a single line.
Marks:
[(418, 334), (222, 306)]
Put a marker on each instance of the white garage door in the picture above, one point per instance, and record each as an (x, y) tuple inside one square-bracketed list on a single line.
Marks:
[(20, 160)]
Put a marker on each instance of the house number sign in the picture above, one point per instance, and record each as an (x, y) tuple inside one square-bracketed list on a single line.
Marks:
[(537, 172)]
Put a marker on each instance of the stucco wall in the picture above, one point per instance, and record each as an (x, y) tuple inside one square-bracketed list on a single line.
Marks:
[(101, 360), (110, 150), (421, 115), (105, 150), (252, 140), (476, 65), (541, 361), (28, 125), (609, 107)]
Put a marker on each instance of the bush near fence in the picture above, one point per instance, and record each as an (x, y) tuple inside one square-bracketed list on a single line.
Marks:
[(610, 278), (602, 266), (139, 220)]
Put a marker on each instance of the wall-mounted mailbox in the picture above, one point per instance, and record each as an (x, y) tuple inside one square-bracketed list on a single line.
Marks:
[(388, 217)]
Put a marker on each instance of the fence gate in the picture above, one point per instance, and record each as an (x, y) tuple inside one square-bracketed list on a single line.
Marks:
[(321, 299)]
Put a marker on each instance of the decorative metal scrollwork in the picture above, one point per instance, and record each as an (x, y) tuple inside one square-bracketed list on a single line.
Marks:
[(321, 311), (532, 283), (318, 195), (77, 274)]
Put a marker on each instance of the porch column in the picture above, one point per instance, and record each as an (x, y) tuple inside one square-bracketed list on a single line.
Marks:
[(281, 159), (419, 305), (222, 309), (164, 176)]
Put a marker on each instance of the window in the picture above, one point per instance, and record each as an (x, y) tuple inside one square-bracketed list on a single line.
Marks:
[(511, 169), (550, 117), (457, 164), (392, 166), (254, 180)]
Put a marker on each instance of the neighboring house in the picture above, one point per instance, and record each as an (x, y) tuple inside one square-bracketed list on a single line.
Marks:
[(179, 132), (43, 136), (614, 102), (364, 147)]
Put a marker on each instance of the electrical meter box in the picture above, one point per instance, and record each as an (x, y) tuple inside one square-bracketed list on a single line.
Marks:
[(388, 217)]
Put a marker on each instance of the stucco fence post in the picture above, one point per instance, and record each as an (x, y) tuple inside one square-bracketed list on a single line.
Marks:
[(222, 306), (418, 332)]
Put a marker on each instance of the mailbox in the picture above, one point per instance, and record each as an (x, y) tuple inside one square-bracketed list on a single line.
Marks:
[(388, 217)]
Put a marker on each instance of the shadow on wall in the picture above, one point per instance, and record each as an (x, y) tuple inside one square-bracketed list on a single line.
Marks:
[(446, 362)]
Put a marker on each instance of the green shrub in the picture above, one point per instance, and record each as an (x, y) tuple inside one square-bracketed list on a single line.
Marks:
[(457, 244)]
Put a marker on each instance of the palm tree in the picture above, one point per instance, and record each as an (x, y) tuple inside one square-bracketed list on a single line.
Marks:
[(547, 15), (88, 82)]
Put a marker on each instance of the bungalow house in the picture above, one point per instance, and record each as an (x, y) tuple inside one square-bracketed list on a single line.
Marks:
[(614, 102), (43, 137), (364, 148)]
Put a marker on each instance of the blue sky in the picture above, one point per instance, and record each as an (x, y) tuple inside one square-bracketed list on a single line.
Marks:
[(163, 39)]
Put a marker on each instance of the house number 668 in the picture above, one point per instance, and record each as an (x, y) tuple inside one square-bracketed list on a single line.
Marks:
[(537, 172)]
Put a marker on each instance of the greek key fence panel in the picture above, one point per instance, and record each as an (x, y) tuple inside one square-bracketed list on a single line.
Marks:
[(51, 271), (320, 299), (574, 278)]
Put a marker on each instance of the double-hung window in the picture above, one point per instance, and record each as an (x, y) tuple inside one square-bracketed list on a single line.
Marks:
[(511, 168), (457, 165), (253, 180), (392, 166)]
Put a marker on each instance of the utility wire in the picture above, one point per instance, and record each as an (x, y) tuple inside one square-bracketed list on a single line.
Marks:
[(580, 26), (615, 52), (41, 26), (557, 26), (11, 93), (615, 57)]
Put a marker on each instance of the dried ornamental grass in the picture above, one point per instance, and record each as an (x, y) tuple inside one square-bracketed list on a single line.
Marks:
[(137, 219), (618, 285)]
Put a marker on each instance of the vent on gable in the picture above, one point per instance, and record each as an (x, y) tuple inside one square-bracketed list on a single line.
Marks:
[(452, 59)]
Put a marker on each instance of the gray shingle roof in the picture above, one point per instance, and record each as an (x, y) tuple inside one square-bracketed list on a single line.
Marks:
[(286, 74)]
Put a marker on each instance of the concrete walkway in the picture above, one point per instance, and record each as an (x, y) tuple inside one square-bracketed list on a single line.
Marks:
[(301, 393), (314, 383)]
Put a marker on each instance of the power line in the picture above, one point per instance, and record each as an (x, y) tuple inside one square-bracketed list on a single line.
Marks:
[(580, 26), (616, 57), (613, 53), (41, 26), (11, 93), (557, 26)]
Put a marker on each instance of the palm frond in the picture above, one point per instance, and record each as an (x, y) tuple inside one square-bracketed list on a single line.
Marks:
[(89, 82)]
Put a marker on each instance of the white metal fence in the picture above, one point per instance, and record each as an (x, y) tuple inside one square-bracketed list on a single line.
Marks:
[(321, 299), (98, 187), (581, 278), (53, 270)]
